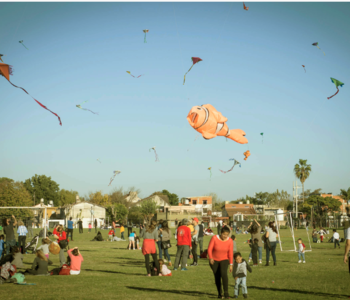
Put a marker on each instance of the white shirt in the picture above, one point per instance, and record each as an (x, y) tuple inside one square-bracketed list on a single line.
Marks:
[(336, 236), (165, 270)]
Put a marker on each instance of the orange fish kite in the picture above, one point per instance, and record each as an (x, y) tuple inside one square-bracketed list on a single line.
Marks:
[(211, 123), (246, 154), (244, 7)]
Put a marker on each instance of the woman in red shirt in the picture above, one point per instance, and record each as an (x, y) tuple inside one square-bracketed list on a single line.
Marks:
[(220, 252), (60, 235)]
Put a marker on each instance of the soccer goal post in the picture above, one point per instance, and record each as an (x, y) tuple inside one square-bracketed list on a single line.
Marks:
[(30, 207)]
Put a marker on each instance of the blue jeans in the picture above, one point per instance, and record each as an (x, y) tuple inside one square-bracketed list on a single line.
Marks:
[(166, 254), (300, 254), (122, 235), (243, 283), (273, 249), (260, 253), (160, 249)]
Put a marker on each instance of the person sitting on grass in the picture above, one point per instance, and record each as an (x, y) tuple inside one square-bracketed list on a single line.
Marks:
[(98, 237), (240, 268), (164, 271), (17, 257), (45, 243), (40, 264), (75, 261)]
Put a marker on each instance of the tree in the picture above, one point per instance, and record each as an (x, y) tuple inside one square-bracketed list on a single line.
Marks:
[(117, 211), (302, 172), (43, 187), (173, 198), (67, 197), (216, 201), (279, 199), (2, 179), (345, 194), (99, 199), (135, 215), (14, 194), (148, 209)]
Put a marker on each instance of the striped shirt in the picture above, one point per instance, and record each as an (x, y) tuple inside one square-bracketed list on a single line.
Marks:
[(22, 231)]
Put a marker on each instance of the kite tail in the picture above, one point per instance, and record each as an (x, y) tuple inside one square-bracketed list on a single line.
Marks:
[(155, 152), (90, 110), (145, 39), (186, 74), (333, 95), (43, 106), (321, 50), (24, 46)]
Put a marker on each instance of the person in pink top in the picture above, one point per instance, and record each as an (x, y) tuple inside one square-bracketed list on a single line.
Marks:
[(220, 253), (75, 261)]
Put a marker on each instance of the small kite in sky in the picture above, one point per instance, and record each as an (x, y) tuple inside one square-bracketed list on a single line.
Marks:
[(145, 31), (115, 174), (304, 68), (246, 154), (99, 161), (235, 163), (211, 123), (262, 137), (155, 152), (6, 71), (21, 42), (337, 84), (194, 61), (133, 75), (79, 106), (244, 7), (210, 172), (316, 44), (1, 55)]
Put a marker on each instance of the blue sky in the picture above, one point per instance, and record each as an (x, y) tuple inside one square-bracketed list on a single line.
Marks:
[(251, 72)]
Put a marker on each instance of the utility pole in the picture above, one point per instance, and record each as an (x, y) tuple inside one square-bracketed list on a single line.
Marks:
[(295, 196)]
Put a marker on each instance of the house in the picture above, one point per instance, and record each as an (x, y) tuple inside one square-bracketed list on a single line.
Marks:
[(202, 204), (343, 202), (237, 211), (161, 200)]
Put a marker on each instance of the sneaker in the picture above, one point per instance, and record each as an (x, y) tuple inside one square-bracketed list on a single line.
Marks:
[(299, 261), (165, 260), (235, 297), (184, 269), (245, 295), (304, 262), (260, 261), (194, 264), (170, 264), (249, 260), (175, 269)]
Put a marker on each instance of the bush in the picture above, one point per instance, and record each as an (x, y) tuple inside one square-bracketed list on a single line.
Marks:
[(301, 227), (283, 227)]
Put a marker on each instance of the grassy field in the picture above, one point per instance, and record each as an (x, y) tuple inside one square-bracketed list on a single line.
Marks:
[(111, 271)]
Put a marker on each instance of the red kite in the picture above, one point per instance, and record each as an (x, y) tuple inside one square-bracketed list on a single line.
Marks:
[(244, 7), (194, 60)]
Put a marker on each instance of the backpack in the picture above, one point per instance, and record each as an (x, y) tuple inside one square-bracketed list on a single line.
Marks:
[(65, 270), (204, 254)]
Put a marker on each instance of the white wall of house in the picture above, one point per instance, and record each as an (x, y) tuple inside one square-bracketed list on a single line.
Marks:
[(83, 211)]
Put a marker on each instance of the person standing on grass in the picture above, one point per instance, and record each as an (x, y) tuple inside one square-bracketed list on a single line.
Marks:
[(183, 244), (195, 242), (336, 238), (240, 275), (301, 251), (159, 243), (314, 236), (8, 226), (220, 253), (70, 228), (255, 229), (321, 233), (132, 240), (200, 237), (95, 224), (219, 228), (272, 235), (80, 225), (22, 235), (60, 235), (150, 237), (176, 222), (347, 244), (166, 237)]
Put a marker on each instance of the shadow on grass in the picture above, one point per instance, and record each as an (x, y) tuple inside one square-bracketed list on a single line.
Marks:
[(297, 291), (114, 272), (127, 258), (178, 292)]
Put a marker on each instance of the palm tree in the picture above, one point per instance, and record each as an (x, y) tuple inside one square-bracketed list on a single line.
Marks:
[(345, 194), (302, 172)]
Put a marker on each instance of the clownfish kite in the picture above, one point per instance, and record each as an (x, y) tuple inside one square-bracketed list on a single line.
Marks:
[(246, 154), (6, 71)]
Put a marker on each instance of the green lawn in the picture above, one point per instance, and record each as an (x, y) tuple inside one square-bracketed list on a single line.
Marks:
[(110, 271)]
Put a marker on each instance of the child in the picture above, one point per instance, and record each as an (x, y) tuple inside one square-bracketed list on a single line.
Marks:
[(122, 229), (240, 267), (335, 239), (111, 234), (301, 251), (45, 243), (137, 242), (2, 237), (234, 243), (90, 226), (255, 247), (17, 257), (75, 261), (132, 240), (164, 271), (321, 233)]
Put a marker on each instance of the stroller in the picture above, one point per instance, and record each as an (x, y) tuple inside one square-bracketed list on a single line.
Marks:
[(32, 245)]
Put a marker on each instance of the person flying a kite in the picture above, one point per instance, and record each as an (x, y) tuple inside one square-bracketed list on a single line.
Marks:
[(194, 61), (6, 71), (337, 84)]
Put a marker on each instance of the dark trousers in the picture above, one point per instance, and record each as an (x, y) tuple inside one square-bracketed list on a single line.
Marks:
[(273, 250), (80, 229), (255, 257), (22, 242), (30, 231), (194, 252), (9, 245), (220, 273), (314, 239), (70, 231), (129, 230), (200, 241), (182, 251), (155, 259), (159, 243), (335, 243), (95, 229)]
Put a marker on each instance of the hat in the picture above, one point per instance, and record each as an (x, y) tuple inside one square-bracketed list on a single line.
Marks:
[(184, 221), (196, 219)]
